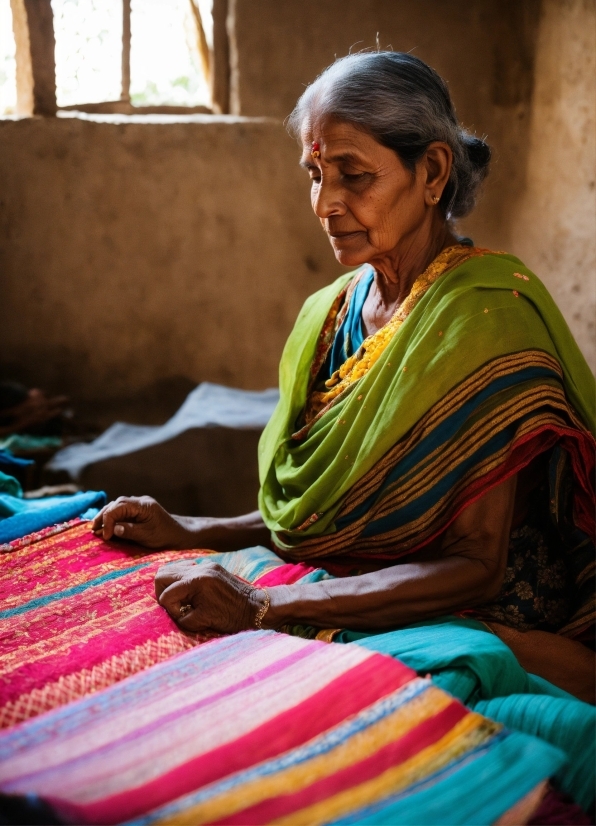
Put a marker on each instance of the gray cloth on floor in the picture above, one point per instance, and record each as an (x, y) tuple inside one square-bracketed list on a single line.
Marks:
[(209, 405)]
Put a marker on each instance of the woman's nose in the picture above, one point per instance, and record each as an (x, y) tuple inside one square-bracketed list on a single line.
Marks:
[(326, 201)]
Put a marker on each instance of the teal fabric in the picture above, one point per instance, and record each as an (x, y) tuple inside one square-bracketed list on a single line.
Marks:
[(464, 658), (568, 724), (443, 802), (10, 486)]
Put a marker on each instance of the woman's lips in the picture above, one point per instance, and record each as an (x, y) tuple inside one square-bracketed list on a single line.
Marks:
[(343, 236)]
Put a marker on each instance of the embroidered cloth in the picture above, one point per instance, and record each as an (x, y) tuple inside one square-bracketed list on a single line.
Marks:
[(263, 727), (77, 614)]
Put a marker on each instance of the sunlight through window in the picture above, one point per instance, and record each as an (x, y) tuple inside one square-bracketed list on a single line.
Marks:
[(8, 67), (165, 65), (88, 50)]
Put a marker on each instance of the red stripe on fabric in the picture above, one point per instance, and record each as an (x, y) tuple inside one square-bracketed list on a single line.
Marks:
[(348, 694), (581, 449), (579, 444), (391, 755), (285, 574)]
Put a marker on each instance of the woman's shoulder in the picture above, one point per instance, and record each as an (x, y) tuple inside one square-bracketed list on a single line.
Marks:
[(486, 269)]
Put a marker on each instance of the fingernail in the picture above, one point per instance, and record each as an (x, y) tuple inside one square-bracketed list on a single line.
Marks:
[(119, 530)]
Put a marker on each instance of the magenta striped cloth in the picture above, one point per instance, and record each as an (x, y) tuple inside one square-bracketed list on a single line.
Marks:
[(263, 727)]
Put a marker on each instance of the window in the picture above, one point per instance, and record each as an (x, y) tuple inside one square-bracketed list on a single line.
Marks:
[(122, 56), (88, 51), (8, 66), (165, 54)]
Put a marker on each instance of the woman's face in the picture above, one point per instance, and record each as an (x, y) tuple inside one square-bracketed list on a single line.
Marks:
[(369, 204)]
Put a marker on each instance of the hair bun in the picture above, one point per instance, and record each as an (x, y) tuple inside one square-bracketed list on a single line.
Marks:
[(478, 151)]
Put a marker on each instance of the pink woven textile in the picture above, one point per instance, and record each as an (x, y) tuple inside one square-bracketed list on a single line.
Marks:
[(78, 614)]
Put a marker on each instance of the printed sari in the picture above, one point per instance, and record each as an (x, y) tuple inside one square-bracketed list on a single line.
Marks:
[(475, 378)]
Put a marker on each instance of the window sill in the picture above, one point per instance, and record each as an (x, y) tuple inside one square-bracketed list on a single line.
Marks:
[(160, 118)]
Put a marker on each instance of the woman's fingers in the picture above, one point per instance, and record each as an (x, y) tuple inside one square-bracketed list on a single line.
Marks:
[(175, 597), (206, 597), (97, 523), (114, 519), (172, 572), (139, 519)]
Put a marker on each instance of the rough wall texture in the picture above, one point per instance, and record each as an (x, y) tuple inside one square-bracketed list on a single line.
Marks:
[(136, 251), (485, 49), (553, 224), (521, 73)]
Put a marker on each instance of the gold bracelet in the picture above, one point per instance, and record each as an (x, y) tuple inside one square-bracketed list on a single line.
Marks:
[(260, 615)]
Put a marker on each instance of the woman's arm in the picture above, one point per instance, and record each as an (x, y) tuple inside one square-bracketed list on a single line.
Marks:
[(469, 572), (143, 520)]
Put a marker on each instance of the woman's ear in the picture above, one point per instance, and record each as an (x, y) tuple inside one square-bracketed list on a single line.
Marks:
[(436, 163)]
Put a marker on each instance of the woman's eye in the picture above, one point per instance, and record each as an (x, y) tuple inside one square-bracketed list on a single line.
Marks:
[(354, 177)]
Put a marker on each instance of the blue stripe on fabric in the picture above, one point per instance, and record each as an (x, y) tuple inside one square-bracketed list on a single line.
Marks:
[(478, 792), (249, 563), (413, 510), (443, 433), (68, 592), (351, 334), (320, 745)]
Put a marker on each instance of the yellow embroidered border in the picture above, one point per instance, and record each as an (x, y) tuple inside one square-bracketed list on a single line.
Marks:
[(372, 348)]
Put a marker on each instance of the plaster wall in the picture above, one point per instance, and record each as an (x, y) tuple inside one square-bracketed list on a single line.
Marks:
[(520, 73), (134, 250), (553, 223)]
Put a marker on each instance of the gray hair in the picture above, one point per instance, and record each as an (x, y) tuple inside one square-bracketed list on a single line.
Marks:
[(405, 105)]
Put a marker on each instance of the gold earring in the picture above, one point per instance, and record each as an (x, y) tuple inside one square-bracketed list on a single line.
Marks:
[(436, 199)]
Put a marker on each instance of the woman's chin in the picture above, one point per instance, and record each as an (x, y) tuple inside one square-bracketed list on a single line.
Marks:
[(352, 253)]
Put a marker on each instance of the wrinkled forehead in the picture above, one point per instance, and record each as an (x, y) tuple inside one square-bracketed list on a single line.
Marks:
[(334, 135)]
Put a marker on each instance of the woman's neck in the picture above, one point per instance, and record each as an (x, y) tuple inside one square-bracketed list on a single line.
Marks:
[(396, 273)]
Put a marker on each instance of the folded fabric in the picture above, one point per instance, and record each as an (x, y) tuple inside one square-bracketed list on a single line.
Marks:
[(9, 463), (209, 405), (264, 727), (77, 615), (473, 664), (9, 485), (467, 660), (25, 442), (19, 517)]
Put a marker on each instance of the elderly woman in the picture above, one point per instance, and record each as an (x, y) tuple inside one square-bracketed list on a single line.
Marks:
[(431, 453)]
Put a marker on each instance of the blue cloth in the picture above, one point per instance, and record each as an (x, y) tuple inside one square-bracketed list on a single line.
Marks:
[(9, 463), (467, 660), (350, 334), (23, 516)]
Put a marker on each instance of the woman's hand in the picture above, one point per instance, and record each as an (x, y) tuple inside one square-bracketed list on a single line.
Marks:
[(206, 597), (143, 520)]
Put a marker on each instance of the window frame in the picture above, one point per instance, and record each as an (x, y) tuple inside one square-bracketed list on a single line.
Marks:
[(33, 26)]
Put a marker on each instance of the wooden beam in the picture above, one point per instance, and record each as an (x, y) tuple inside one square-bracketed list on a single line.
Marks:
[(33, 24), (220, 71), (123, 107), (125, 94)]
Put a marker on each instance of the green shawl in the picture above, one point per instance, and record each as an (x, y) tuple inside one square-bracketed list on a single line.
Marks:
[(486, 308)]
